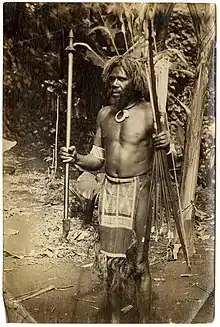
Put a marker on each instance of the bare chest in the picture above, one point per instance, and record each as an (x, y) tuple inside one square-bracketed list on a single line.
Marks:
[(135, 128)]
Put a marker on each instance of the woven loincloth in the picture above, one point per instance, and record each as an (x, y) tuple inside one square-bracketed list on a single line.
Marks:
[(121, 203), (117, 207)]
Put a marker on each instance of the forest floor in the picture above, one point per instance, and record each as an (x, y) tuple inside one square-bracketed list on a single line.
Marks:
[(35, 258)]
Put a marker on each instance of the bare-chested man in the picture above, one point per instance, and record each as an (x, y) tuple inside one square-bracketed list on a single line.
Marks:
[(124, 143)]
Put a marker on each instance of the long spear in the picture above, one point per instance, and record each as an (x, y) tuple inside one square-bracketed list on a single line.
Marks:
[(66, 221)]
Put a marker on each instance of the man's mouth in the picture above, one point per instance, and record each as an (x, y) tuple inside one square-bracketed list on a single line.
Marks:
[(115, 93)]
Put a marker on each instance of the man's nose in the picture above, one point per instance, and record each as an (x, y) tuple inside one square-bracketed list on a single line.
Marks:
[(115, 82)]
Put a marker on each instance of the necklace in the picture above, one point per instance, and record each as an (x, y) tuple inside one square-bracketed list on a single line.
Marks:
[(121, 115)]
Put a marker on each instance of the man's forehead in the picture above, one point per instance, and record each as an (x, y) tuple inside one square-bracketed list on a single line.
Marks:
[(119, 71)]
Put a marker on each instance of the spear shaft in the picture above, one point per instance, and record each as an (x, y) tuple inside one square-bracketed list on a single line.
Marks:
[(66, 221)]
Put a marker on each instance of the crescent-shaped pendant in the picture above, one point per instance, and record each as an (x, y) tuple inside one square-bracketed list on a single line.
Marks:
[(121, 115)]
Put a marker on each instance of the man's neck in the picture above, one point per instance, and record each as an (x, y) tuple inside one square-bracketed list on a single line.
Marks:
[(127, 105)]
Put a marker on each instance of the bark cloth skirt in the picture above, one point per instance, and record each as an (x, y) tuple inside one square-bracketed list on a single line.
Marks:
[(122, 213)]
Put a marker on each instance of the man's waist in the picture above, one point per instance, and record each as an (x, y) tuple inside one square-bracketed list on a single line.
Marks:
[(127, 179)]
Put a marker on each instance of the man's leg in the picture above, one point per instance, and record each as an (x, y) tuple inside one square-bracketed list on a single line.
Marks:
[(114, 298), (111, 308), (115, 302), (142, 277), (143, 291)]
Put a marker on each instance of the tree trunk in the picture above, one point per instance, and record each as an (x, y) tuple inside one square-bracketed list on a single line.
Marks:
[(194, 128), (191, 157)]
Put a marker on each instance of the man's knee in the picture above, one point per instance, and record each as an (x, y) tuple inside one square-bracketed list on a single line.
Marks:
[(142, 272), (142, 262)]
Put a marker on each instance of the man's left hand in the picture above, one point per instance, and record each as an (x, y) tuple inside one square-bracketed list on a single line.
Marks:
[(161, 140)]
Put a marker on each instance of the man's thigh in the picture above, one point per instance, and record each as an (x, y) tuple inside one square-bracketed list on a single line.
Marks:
[(142, 218), (143, 209)]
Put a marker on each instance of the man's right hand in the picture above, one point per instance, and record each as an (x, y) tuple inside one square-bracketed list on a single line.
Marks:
[(68, 155)]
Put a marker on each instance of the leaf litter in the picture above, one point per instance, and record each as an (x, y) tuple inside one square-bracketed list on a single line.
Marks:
[(45, 198)]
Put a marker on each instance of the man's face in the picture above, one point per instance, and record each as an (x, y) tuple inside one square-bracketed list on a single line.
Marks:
[(121, 88)]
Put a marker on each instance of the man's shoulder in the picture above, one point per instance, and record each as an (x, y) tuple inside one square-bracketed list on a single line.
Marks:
[(103, 112), (143, 112), (144, 104)]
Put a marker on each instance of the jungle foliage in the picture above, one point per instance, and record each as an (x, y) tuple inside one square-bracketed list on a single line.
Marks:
[(35, 67)]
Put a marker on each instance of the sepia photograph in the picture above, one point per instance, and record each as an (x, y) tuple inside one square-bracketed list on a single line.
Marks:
[(109, 162)]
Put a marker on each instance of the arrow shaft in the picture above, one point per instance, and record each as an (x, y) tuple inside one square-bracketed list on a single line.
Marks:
[(164, 169)]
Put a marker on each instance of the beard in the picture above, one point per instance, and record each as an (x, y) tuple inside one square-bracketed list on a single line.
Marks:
[(115, 101), (122, 98)]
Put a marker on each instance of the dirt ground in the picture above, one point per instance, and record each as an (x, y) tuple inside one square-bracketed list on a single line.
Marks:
[(35, 258)]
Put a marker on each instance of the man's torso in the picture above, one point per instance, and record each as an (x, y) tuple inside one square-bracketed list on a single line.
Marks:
[(128, 144)]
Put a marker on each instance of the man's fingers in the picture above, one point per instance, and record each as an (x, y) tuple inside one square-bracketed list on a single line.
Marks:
[(63, 149), (163, 133), (161, 144), (72, 148), (67, 150), (68, 155), (62, 153), (66, 160), (65, 155), (161, 140), (161, 137), (158, 142)]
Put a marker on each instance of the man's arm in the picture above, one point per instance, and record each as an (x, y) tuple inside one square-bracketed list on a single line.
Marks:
[(95, 159)]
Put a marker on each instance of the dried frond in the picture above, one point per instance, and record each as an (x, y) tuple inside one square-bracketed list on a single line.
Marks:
[(130, 19), (106, 30), (187, 110), (169, 52), (137, 47), (162, 72), (102, 61), (203, 17), (123, 29)]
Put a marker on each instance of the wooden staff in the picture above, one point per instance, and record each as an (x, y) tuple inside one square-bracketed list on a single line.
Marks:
[(66, 221)]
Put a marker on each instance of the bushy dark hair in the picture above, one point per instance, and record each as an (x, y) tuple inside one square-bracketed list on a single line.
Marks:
[(133, 68)]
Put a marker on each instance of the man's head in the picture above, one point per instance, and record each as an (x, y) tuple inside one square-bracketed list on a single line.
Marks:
[(125, 80)]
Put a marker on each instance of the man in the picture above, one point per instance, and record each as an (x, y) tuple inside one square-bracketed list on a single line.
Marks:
[(124, 143)]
